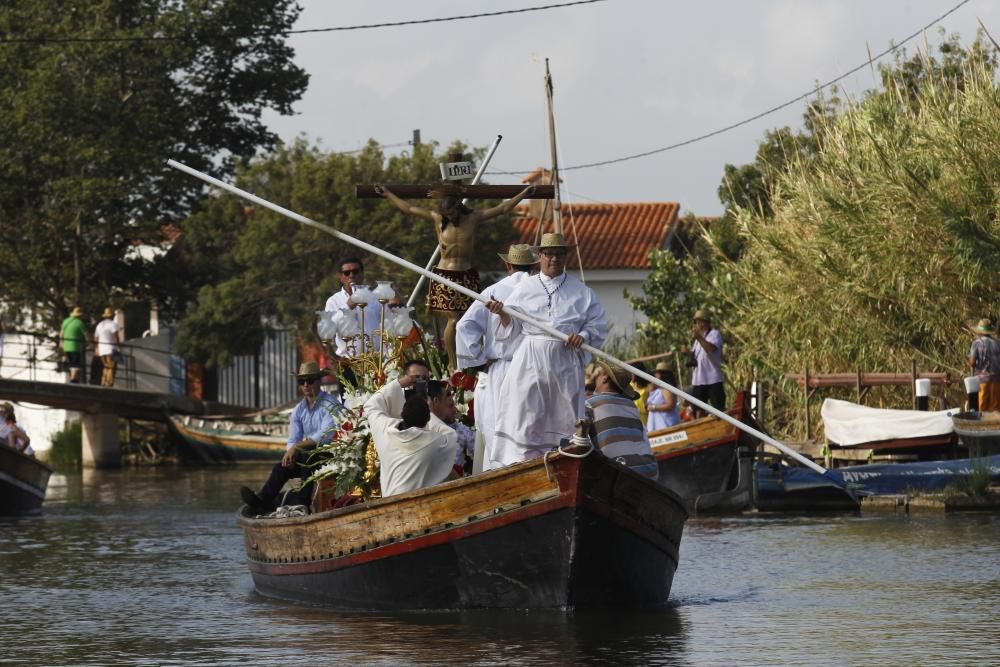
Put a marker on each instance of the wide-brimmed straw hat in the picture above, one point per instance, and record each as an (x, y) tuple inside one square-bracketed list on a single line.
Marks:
[(662, 366), (76, 312), (984, 327), (701, 315), (553, 240), (108, 313), (620, 378), (310, 369), (519, 254)]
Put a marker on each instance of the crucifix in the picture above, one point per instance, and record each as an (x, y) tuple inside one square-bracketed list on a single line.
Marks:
[(454, 225)]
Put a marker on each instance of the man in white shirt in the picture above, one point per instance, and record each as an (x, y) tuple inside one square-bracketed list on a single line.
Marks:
[(108, 337), (411, 454), (351, 273), (706, 381), (542, 393), (477, 348)]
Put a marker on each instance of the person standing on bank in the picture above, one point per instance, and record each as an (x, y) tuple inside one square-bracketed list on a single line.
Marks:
[(984, 360), (543, 389), (706, 350), (108, 337), (311, 423), (73, 338), (351, 273)]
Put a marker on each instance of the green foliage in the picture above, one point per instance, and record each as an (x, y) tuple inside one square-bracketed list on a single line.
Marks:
[(259, 267), (87, 126), (66, 454), (880, 244)]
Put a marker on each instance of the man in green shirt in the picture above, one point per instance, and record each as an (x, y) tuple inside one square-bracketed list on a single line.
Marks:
[(72, 336)]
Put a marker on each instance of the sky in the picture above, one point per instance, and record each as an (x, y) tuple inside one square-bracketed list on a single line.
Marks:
[(629, 76)]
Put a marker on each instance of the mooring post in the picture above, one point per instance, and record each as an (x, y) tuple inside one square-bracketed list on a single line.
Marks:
[(101, 447)]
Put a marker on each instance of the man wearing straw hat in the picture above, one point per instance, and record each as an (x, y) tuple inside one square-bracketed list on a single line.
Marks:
[(706, 349), (543, 389), (108, 337), (984, 360), (311, 423), (616, 426), (477, 348)]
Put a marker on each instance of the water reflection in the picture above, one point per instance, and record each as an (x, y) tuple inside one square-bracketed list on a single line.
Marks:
[(147, 567)]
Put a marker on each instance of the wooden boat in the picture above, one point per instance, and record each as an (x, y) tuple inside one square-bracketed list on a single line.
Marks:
[(979, 432), (228, 439), (783, 488), (562, 532), (707, 462), (23, 480)]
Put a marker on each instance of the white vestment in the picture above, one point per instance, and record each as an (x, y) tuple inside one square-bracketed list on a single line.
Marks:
[(373, 319), (411, 458), (542, 393), (476, 345)]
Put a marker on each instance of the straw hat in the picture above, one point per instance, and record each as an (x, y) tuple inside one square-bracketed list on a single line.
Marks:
[(310, 369), (553, 240), (984, 327), (662, 366), (108, 313), (76, 312), (520, 254), (701, 314), (620, 378)]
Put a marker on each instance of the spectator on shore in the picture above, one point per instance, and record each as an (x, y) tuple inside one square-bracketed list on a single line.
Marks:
[(706, 350), (73, 339), (984, 360), (108, 337)]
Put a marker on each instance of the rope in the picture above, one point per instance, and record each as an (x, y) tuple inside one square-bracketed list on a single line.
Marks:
[(575, 441)]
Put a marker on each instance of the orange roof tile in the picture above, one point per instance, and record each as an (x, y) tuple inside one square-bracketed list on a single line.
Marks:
[(611, 236)]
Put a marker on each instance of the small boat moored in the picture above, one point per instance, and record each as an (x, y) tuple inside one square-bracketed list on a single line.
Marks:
[(23, 481)]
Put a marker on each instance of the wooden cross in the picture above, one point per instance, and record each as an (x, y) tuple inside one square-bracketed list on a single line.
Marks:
[(439, 190)]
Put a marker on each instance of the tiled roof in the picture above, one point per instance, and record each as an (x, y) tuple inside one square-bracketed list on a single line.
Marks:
[(611, 236)]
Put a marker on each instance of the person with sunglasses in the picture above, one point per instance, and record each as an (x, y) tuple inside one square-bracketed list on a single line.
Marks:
[(311, 423), (351, 273)]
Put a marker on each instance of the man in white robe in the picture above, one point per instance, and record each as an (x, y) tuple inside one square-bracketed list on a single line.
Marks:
[(542, 393), (411, 455), (477, 348)]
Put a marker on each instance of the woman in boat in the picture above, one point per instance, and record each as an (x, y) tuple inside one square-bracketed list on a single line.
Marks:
[(661, 406), (11, 433)]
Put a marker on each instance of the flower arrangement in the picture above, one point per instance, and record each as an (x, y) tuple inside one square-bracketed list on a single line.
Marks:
[(349, 458)]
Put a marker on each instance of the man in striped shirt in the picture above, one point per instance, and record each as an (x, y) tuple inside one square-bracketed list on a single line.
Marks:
[(616, 427)]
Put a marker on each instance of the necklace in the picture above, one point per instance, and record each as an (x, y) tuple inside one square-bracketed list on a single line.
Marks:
[(548, 293)]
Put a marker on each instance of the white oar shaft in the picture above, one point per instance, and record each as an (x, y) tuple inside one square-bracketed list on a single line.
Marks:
[(437, 250), (478, 297)]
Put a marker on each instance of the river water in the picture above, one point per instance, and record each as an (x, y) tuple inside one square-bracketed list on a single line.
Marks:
[(146, 567)]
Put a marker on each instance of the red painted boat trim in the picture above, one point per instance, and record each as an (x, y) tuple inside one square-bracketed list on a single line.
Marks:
[(405, 546)]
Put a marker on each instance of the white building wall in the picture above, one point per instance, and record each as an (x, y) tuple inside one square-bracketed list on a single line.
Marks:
[(23, 359), (610, 288)]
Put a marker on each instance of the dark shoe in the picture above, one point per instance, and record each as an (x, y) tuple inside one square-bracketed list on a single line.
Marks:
[(253, 501)]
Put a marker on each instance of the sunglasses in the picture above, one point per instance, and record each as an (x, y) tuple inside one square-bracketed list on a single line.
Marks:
[(352, 272), (303, 381)]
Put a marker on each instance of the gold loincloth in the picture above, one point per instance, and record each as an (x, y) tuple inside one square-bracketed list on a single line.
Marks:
[(443, 298)]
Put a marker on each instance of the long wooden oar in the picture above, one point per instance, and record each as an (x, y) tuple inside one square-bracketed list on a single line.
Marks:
[(555, 333)]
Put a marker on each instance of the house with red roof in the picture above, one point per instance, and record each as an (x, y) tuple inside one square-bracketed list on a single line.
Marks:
[(613, 244)]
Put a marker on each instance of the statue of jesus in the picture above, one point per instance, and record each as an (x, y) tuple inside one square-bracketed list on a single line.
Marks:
[(455, 227)]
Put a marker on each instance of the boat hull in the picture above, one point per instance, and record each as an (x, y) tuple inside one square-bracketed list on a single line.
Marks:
[(213, 446), (979, 432), (708, 463), (23, 481), (594, 535)]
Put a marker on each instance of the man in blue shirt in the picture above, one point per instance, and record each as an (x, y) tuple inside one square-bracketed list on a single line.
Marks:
[(311, 423)]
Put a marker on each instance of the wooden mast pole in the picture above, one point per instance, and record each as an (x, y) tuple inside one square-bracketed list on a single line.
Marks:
[(556, 205)]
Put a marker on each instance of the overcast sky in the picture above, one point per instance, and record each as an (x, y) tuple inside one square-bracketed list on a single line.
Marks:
[(630, 76)]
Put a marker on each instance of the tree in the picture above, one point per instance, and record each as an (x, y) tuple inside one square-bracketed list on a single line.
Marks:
[(880, 246), (94, 97), (275, 271)]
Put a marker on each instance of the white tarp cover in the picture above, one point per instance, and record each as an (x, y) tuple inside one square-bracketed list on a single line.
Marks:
[(848, 424)]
